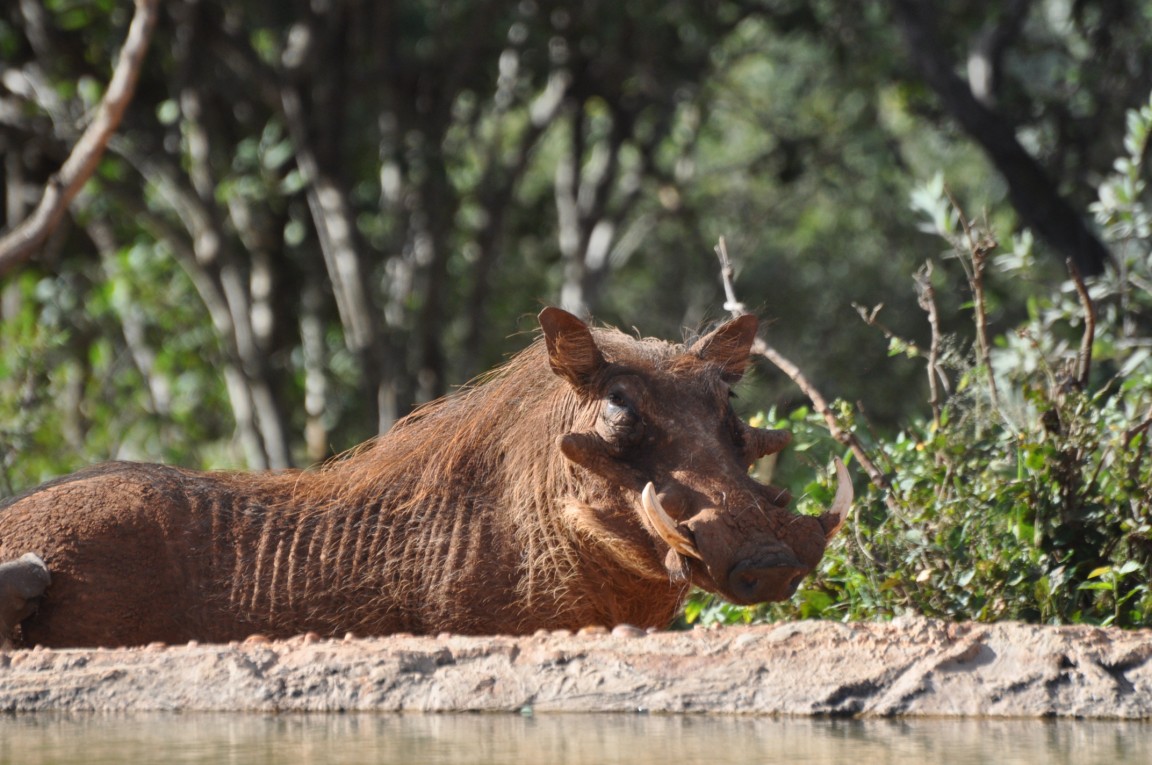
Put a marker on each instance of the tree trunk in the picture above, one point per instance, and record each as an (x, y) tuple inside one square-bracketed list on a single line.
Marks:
[(1032, 192)]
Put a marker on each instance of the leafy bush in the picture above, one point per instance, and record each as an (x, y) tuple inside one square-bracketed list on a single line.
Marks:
[(1027, 494), (87, 374)]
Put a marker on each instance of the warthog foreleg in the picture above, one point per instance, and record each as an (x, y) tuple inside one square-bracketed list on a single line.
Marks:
[(22, 582)]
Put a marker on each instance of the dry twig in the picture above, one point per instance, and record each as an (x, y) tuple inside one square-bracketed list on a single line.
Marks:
[(23, 241), (1143, 427), (870, 317)]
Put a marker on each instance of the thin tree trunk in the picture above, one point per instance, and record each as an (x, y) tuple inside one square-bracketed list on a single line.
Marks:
[(335, 228)]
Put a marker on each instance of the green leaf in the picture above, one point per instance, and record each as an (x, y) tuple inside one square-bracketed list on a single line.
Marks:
[(1099, 572)]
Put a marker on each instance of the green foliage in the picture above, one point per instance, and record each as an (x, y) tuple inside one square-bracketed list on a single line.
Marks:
[(1029, 496), (481, 159), (82, 351)]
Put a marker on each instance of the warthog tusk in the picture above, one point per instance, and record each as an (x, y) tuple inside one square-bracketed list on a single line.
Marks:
[(663, 524), (837, 514)]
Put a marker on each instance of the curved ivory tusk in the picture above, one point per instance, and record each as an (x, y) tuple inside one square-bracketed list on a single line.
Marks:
[(663, 524), (835, 516)]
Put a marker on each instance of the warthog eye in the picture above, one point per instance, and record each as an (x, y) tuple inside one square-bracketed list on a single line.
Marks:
[(622, 419)]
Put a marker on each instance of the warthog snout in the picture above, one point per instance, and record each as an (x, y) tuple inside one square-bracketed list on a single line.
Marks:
[(767, 579), (758, 554)]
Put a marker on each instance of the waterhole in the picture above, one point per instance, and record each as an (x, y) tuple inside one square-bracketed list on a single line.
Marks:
[(523, 739)]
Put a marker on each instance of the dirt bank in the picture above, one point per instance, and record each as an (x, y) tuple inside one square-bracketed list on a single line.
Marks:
[(907, 667)]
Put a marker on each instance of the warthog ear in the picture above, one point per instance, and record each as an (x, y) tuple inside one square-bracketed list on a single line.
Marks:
[(728, 346), (572, 353)]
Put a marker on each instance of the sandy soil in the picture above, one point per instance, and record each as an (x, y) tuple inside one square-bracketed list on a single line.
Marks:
[(909, 667)]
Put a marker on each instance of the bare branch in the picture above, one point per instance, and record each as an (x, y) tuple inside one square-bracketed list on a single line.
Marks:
[(979, 245), (926, 297), (22, 242), (727, 275), (819, 403), (1084, 358)]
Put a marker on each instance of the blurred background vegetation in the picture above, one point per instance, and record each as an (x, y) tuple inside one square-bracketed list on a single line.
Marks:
[(316, 215)]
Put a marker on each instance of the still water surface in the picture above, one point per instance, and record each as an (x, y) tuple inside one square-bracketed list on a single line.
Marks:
[(250, 739)]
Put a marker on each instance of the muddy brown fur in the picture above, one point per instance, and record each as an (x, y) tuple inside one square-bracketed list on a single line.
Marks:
[(510, 506)]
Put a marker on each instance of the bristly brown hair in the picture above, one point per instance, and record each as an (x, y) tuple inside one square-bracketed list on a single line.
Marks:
[(494, 436)]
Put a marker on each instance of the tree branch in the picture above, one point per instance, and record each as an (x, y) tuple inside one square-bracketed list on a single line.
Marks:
[(22, 242)]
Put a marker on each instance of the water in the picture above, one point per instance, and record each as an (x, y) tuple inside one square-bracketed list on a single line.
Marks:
[(250, 739)]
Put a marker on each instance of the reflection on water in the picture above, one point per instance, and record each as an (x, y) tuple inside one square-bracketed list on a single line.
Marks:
[(250, 739)]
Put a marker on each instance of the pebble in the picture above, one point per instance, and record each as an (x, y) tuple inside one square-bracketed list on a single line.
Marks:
[(627, 631)]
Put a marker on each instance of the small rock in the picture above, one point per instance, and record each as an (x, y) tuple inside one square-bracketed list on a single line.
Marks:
[(593, 629), (349, 637), (627, 631), (155, 647), (561, 633), (745, 640), (256, 639)]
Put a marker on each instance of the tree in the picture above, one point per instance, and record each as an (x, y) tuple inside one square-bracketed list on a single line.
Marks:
[(318, 215), (1030, 188)]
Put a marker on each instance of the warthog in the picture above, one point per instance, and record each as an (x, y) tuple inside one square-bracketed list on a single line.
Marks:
[(589, 481)]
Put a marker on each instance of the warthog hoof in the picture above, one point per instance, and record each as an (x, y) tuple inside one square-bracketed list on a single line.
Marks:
[(22, 582)]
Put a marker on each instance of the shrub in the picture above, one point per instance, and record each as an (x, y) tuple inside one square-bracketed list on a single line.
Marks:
[(1025, 490)]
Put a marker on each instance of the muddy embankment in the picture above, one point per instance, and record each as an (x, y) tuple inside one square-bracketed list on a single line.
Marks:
[(906, 667)]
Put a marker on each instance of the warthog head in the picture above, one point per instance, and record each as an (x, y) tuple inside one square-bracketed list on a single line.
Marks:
[(656, 427)]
